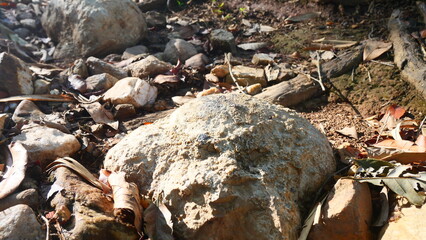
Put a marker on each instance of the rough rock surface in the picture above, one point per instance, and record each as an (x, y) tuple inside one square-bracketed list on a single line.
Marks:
[(229, 167), (133, 91), (148, 66), (178, 49), (45, 144), (20, 223), (15, 76), (347, 213), (93, 27), (97, 66), (411, 225)]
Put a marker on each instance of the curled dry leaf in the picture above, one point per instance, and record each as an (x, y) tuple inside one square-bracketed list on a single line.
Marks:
[(80, 170), (16, 164), (374, 49), (127, 202), (100, 115)]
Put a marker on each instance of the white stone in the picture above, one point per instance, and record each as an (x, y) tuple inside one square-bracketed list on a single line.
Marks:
[(19, 223), (133, 91)]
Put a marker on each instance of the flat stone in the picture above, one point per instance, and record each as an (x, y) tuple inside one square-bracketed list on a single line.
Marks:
[(45, 144), (149, 66), (246, 76), (178, 49), (134, 51), (15, 76), (20, 223), (197, 61), (228, 166), (97, 66), (223, 41), (409, 225), (261, 59), (347, 213), (100, 82), (133, 91), (26, 111)]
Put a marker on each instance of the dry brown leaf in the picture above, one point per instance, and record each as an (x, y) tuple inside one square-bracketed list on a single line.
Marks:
[(80, 170), (349, 132), (338, 44), (374, 49), (126, 198), (406, 157), (100, 115), (41, 98), (16, 164), (156, 224), (395, 144)]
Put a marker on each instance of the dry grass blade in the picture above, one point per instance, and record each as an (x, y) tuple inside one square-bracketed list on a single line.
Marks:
[(156, 224), (126, 197), (16, 164), (79, 169), (43, 98)]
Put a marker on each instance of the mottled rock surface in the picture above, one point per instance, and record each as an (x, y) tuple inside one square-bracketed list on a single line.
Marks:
[(93, 27), (228, 166), (20, 223)]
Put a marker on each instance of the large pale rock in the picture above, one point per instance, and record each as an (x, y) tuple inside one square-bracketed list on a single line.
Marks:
[(178, 49), (411, 225), (228, 166), (93, 27), (133, 91), (149, 66), (15, 76), (347, 213), (20, 223), (45, 144)]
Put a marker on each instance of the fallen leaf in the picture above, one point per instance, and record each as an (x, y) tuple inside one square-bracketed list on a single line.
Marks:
[(349, 132), (395, 144), (126, 197), (313, 217), (407, 157), (16, 164), (77, 83), (41, 98), (265, 28), (338, 44), (396, 111), (100, 115), (374, 49), (384, 208)]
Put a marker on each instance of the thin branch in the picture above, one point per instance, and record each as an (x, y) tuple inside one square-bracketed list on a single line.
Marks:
[(319, 72), (46, 221), (228, 61)]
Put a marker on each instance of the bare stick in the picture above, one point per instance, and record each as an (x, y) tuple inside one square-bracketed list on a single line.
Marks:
[(228, 61), (47, 226), (319, 72)]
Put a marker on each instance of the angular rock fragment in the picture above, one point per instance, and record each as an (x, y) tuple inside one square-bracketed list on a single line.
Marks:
[(246, 76), (97, 66), (15, 76), (19, 222), (222, 40), (100, 82), (347, 213), (178, 49), (92, 28), (27, 110), (228, 167), (133, 91), (149, 66)]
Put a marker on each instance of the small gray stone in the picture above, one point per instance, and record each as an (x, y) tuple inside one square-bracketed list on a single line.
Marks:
[(222, 40), (148, 66), (155, 19), (22, 32), (41, 86), (134, 51), (178, 49), (29, 23), (19, 223), (99, 82), (97, 66)]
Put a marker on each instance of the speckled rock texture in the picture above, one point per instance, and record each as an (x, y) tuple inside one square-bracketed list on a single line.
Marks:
[(228, 167)]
